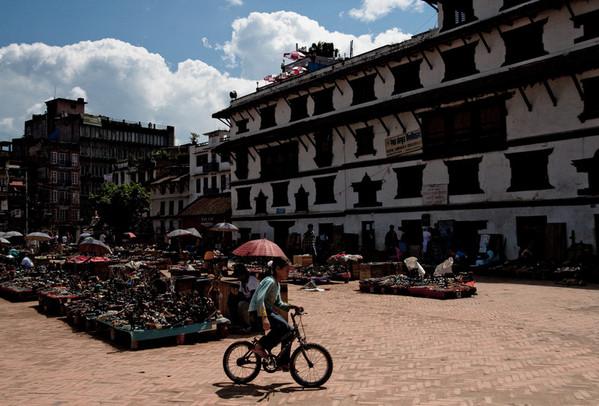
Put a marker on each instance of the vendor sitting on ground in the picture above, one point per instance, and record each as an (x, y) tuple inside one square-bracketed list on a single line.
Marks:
[(238, 304)]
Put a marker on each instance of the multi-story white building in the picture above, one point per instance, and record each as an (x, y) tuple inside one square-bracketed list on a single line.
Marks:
[(488, 124), (210, 173)]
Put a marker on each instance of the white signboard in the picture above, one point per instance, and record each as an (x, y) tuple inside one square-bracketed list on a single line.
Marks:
[(404, 144), (434, 194)]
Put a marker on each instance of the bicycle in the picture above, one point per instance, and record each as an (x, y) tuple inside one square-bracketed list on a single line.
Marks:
[(310, 364)]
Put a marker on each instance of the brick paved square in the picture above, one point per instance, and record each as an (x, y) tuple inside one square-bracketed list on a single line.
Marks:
[(515, 343)]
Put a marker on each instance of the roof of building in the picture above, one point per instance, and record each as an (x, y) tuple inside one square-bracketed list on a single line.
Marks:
[(208, 205)]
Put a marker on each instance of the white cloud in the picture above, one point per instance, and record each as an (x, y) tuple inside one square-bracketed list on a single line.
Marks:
[(259, 40), (123, 81), (206, 43), (118, 80), (372, 10), (235, 2)]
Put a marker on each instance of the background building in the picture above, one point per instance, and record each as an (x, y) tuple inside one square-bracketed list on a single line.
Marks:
[(68, 154)]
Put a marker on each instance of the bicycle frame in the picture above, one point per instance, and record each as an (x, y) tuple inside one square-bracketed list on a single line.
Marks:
[(272, 363)]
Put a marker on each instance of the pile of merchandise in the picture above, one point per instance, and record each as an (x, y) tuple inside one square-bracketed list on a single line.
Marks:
[(28, 282), (145, 300)]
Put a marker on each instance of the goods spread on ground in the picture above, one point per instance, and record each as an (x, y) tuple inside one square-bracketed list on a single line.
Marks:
[(134, 298), (439, 283)]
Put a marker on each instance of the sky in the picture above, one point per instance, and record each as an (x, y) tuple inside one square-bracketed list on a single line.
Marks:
[(174, 62)]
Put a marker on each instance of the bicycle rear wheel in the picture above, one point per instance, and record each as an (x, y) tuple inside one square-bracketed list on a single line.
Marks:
[(311, 365), (240, 364)]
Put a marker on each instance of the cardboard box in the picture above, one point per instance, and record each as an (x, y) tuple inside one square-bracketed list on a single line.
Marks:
[(302, 260), (376, 270)]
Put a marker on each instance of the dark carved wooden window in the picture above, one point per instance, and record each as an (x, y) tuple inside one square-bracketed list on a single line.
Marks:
[(325, 190), (524, 43), (474, 127), (324, 148), (299, 108), (261, 203), (243, 198), (323, 101), (590, 166), (242, 126), (409, 181), (529, 170), (366, 190), (301, 200), (457, 12), (407, 77), (241, 164), (589, 23), (279, 194), (459, 62), (591, 99), (363, 89), (365, 141), (267, 117), (279, 161), (463, 176)]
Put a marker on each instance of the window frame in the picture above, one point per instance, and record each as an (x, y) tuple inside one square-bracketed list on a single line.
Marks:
[(522, 163), (460, 61), (411, 72), (325, 190), (268, 117), (299, 108), (464, 176), (363, 89), (413, 187), (524, 43), (323, 101), (280, 194), (243, 198)]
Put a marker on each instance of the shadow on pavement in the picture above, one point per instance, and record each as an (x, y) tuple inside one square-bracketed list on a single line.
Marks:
[(260, 392)]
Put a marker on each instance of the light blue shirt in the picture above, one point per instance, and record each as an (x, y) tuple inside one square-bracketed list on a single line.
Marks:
[(266, 296)]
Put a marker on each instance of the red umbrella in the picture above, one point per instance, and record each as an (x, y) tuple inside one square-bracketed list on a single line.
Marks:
[(128, 235), (294, 55), (271, 78), (297, 70), (259, 248)]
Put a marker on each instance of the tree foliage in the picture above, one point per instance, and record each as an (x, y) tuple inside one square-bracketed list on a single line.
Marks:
[(121, 207)]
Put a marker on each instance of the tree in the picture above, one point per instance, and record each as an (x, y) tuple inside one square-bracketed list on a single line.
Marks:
[(121, 207)]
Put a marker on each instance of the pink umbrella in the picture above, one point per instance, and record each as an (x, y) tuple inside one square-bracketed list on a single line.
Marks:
[(294, 55), (259, 248)]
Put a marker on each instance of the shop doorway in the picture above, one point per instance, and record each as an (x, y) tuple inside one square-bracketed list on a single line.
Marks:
[(281, 232), (412, 236), (466, 236), (530, 233)]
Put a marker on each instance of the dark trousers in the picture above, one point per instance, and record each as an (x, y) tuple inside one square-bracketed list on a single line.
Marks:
[(278, 329)]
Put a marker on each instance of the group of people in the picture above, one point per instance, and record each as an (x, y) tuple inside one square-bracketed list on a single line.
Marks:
[(432, 246), (395, 245)]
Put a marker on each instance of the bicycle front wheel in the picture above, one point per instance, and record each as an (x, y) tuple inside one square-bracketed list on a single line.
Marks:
[(240, 364), (311, 365)]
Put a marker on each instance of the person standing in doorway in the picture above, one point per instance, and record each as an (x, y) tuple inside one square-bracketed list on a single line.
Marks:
[(391, 241), (309, 244)]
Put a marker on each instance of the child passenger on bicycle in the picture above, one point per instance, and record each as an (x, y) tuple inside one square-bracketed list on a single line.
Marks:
[(267, 296)]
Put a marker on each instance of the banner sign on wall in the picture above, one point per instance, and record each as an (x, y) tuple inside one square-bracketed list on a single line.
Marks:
[(404, 144)]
